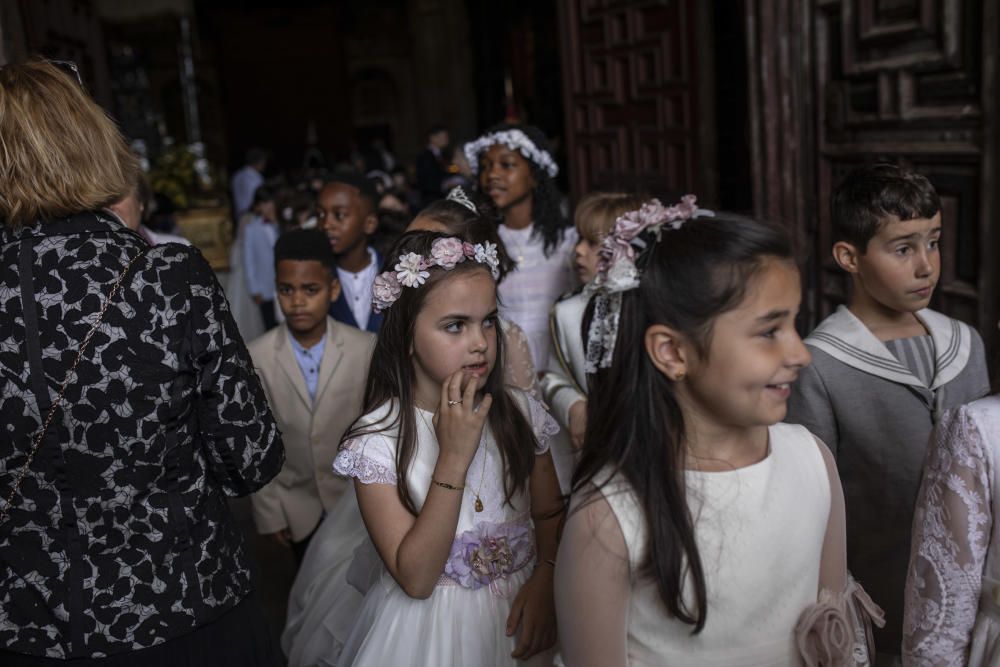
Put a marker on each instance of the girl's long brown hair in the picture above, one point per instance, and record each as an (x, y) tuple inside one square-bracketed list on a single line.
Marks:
[(391, 378)]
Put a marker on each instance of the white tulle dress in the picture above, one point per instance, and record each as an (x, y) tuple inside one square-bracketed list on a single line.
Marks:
[(463, 621)]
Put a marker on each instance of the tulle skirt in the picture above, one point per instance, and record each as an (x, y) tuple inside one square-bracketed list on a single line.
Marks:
[(324, 604), (454, 626), (344, 609)]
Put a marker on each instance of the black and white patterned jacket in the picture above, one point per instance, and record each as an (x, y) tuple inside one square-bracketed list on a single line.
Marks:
[(121, 537)]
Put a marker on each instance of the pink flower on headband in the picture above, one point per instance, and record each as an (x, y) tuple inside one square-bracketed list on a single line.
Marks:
[(412, 269), (448, 252), (385, 291), (678, 213), (617, 271)]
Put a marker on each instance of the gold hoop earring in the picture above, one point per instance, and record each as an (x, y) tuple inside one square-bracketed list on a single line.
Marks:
[(679, 377)]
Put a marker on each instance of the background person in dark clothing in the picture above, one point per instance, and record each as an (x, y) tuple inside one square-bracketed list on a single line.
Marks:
[(117, 546), (432, 167)]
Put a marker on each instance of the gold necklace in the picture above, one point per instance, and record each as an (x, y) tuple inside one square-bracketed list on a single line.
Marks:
[(478, 505)]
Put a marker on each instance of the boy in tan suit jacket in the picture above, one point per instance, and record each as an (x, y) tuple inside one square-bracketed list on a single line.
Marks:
[(313, 370)]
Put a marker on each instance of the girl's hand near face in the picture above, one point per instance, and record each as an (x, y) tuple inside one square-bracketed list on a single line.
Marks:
[(458, 421)]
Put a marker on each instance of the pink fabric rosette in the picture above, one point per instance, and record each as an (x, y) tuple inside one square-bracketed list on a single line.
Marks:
[(385, 291), (448, 252), (836, 631)]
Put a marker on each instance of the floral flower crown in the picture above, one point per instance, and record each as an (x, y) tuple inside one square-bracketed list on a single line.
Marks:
[(617, 271), (516, 140), (412, 269)]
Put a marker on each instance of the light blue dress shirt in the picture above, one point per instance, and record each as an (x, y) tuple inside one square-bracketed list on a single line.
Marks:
[(309, 361)]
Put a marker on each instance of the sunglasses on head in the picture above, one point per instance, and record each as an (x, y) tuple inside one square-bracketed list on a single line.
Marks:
[(70, 68)]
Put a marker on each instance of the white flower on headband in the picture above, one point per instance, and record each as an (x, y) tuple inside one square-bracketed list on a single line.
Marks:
[(487, 254), (516, 140), (623, 276), (410, 270)]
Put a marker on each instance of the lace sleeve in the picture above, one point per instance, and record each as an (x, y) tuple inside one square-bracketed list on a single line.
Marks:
[(542, 423), (369, 459), (951, 532), (518, 369)]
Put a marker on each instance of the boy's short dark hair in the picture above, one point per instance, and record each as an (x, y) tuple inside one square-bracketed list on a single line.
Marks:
[(868, 195), (362, 183), (304, 245), (263, 194)]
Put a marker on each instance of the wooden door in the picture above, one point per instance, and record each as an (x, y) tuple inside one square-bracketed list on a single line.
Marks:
[(635, 101), (838, 83)]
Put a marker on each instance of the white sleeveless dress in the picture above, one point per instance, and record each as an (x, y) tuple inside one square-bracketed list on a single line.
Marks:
[(463, 621), (760, 532)]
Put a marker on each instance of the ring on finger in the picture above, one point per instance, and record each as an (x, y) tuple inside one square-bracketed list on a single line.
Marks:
[(451, 403)]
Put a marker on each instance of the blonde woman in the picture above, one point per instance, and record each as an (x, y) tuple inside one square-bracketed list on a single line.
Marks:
[(129, 412)]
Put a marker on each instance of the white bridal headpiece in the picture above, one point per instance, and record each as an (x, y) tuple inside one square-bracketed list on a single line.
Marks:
[(516, 140), (617, 271)]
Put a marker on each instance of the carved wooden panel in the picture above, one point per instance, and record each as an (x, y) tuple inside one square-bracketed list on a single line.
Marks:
[(631, 91), (902, 81), (69, 30), (907, 81)]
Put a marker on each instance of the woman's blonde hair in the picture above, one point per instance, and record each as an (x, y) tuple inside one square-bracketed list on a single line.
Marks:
[(596, 213), (59, 152)]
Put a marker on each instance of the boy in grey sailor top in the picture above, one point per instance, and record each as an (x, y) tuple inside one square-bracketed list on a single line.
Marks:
[(884, 367)]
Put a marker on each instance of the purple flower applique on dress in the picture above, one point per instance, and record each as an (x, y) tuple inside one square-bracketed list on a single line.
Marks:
[(491, 552)]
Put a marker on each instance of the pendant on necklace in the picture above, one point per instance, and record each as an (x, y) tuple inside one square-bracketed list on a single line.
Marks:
[(479, 504)]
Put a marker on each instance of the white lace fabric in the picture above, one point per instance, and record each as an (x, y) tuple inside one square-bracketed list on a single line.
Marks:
[(951, 534), (368, 467), (519, 369)]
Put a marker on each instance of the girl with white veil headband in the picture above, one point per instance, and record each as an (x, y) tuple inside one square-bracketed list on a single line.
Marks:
[(516, 169), (341, 563)]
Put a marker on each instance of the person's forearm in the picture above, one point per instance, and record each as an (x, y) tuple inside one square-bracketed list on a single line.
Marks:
[(421, 556), (547, 508)]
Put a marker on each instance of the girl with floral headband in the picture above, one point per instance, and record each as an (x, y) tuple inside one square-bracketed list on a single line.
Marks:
[(342, 564), (452, 474), (701, 530), (516, 169)]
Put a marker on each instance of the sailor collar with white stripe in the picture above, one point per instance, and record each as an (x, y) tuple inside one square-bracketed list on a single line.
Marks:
[(844, 337)]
